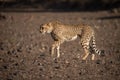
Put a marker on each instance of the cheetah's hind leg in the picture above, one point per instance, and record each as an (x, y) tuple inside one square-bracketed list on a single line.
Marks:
[(85, 42), (92, 53), (86, 54)]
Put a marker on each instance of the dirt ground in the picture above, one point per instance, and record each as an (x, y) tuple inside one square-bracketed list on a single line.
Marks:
[(25, 55)]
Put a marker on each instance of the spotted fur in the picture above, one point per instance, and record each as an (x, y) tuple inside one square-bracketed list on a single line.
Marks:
[(61, 33)]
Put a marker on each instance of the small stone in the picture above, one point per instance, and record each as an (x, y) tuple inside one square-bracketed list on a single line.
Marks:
[(14, 74), (41, 69), (9, 52), (16, 64), (55, 60), (2, 17), (102, 53), (57, 67), (98, 62), (13, 51), (19, 50), (111, 62), (22, 60), (9, 79), (41, 55), (66, 62), (68, 76), (50, 77), (1, 48), (5, 67), (117, 51), (80, 73), (83, 61)]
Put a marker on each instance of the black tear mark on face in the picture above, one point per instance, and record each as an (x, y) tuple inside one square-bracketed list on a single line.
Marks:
[(41, 28)]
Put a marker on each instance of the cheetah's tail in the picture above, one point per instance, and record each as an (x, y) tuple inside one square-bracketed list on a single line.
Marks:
[(100, 52)]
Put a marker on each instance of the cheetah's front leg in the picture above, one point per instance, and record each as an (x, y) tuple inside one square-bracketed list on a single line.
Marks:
[(58, 51), (56, 45)]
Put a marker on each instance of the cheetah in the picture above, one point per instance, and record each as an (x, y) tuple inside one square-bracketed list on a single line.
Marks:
[(63, 32)]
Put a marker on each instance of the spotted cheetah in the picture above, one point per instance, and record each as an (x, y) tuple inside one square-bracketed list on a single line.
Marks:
[(61, 32)]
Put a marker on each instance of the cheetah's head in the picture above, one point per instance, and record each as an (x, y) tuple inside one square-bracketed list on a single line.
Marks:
[(46, 28)]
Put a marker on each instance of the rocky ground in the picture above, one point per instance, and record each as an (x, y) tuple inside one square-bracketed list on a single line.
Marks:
[(25, 55)]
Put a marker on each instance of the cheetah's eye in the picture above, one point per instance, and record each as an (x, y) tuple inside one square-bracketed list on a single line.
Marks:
[(48, 24), (42, 28)]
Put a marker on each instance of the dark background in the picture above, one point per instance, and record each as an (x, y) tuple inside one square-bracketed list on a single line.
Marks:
[(59, 5)]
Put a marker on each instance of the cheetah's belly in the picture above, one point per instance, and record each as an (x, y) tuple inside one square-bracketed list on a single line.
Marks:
[(69, 38)]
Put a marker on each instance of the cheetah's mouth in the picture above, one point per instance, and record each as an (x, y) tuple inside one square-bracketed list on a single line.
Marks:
[(42, 32)]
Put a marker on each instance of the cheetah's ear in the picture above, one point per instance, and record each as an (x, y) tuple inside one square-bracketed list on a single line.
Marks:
[(58, 22), (50, 24)]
